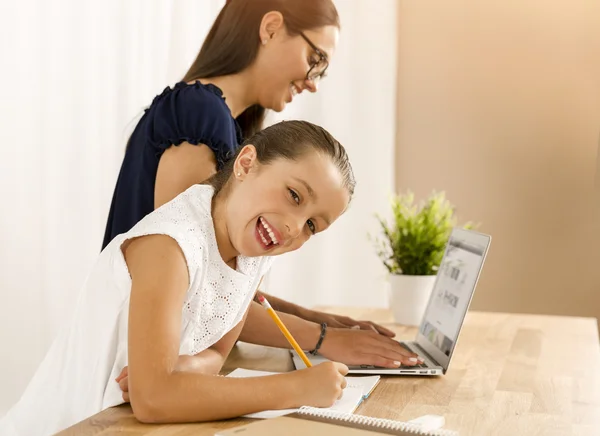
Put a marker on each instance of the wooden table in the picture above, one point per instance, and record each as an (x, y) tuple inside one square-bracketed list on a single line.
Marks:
[(510, 375)]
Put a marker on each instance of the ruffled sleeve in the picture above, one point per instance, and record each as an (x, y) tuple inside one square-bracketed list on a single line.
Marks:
[(196, 114)]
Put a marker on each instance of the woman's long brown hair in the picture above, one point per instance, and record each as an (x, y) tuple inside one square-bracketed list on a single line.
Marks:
[(233, 41)]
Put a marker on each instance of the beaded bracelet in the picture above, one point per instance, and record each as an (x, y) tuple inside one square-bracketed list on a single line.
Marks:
[(323, 331)]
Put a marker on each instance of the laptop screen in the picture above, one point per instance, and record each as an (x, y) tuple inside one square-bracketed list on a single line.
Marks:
[(456, 280)]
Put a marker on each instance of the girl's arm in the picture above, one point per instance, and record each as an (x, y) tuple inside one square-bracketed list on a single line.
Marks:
[(211, 360), (161, 393)]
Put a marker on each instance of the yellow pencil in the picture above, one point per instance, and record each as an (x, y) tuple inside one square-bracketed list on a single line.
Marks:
[(284, 330)]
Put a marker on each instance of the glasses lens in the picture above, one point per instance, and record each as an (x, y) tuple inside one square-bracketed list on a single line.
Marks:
[(317, 71)]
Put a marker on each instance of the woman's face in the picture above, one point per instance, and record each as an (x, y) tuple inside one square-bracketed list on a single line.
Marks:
[(284, 62)]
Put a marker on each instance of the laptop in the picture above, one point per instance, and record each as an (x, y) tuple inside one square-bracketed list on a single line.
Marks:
[(440, 327)]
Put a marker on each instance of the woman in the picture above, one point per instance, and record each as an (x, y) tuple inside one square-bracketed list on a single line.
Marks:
[(258, 55)]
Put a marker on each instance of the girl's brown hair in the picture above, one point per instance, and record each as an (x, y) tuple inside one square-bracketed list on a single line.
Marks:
[(233, 41), (291, 140)]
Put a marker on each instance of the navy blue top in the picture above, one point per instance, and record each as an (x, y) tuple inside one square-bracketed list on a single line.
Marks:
[(194, 113)]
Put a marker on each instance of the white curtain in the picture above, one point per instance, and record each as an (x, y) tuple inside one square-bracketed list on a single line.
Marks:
[(357, 104), (77, 75)]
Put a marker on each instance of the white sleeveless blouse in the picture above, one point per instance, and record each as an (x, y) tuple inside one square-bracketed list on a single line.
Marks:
[(76, 378)]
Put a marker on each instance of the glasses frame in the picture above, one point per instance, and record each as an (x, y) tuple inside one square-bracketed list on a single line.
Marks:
[(322, 57)]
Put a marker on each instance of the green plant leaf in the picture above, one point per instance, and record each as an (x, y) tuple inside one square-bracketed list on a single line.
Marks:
[(413, 243)]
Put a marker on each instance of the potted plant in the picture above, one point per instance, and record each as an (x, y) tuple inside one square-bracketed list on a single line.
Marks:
[(412, 248)]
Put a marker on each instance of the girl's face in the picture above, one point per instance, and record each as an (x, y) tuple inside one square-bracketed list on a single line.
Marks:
[(284, 61), (273, 209)]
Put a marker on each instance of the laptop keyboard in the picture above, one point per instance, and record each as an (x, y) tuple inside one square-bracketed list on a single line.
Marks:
[(408, 347), (418, 365)]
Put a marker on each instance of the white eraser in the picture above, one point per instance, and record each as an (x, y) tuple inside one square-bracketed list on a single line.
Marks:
[(429, 422)]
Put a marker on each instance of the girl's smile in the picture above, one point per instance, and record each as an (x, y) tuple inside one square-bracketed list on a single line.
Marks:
[(268, 236)]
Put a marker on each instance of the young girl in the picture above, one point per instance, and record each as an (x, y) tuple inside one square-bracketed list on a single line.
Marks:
[(258, 55), (168, 298)]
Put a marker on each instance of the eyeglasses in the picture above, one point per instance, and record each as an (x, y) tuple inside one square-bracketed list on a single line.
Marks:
[(319, 66)]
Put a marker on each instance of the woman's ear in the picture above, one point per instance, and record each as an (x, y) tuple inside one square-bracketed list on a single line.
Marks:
[(245, 162), (271, 24)]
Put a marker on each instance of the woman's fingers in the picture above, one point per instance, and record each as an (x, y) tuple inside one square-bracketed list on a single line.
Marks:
[(383, 362), (396, 354), (390, 350)]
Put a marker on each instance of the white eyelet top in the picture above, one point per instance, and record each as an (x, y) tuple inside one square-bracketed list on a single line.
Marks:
[(76, 378)]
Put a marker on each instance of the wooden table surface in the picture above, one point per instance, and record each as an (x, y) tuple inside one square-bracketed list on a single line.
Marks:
[(510, 375)]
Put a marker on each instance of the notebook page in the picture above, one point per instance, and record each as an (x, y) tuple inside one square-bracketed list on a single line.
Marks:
[(353, 396), (314, 360), (366, 383)]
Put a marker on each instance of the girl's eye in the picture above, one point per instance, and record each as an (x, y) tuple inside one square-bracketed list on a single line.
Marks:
[(294, 196)]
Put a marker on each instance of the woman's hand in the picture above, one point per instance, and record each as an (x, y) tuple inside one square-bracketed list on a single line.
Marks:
[(123, 380), (340, 321), (320, 385), (365, 347)]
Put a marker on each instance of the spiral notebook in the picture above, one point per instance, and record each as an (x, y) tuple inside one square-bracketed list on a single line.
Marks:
[(311, 421)]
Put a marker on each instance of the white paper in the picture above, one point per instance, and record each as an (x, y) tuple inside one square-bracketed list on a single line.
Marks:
[(314, 360), (351, 399), (367, 383)]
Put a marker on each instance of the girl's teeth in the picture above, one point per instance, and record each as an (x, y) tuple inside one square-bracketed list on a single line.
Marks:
[(262, 236), (269, 231), (264, 223)]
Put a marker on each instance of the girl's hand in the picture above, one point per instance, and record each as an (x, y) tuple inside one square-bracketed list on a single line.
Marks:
[(320, 385), (123, 380)]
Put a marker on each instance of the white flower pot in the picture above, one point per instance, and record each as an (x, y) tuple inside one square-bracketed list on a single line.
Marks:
[(409, 296)]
